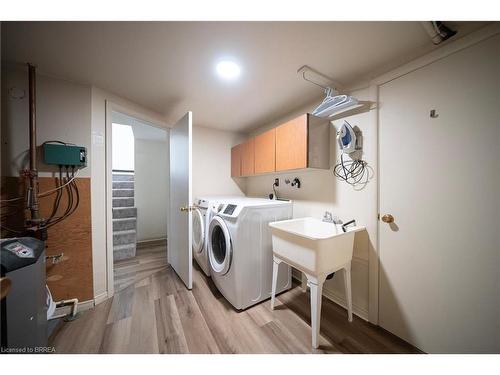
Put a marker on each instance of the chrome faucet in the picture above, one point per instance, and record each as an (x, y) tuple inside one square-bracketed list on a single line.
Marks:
[(329, 218)]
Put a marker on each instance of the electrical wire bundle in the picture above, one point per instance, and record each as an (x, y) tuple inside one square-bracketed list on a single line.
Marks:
[(354, 171), (68, 184), (73, 197)]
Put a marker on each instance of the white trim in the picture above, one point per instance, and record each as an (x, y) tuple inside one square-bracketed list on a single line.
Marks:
[(100, 298), (373, 255), (339, 300), (440, 53), (82, 306), (110, 107)]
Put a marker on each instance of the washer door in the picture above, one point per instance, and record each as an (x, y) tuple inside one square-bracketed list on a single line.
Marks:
[(198, 231), (220, 251)]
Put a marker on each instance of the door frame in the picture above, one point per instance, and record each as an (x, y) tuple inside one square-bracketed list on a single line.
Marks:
[(455, 46), (109, 108)]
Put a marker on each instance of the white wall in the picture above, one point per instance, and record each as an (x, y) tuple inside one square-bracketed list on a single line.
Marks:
[(320, 191), (151, 188), (63, 113), (98, 182), (212, 162)]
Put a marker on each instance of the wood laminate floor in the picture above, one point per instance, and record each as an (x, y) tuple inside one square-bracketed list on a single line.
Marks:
[(154, 313)]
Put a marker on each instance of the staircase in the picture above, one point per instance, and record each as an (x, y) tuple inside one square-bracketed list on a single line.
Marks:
[(124, 216)]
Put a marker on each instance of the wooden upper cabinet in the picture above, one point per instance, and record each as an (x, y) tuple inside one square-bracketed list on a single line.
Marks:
[(265, 152), (248, 158), (291, 144), (236, 161), (301, 143)]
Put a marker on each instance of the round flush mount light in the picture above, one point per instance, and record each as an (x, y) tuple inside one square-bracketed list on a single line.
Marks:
[(228, 70)]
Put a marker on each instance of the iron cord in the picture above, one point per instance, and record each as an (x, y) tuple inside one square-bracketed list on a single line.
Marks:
[(353, 172)]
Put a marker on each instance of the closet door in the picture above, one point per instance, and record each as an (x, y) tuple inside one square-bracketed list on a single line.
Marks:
[(440, 182)]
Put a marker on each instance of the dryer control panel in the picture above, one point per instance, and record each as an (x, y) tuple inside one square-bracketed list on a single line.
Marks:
[(230, 210)]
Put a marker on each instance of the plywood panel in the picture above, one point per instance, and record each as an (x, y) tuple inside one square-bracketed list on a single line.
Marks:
[(72, 277), (291, 144), (265, 152), (236, 161), (248, 158)]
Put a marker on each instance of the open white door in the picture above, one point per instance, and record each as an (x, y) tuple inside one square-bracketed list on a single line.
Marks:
[(179, 234)]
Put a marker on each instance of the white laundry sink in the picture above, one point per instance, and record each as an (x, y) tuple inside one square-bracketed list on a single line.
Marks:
[(312, 245), (316, 248)]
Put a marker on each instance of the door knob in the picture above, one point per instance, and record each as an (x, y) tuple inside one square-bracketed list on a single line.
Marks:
[(185, 209), (388, 218)]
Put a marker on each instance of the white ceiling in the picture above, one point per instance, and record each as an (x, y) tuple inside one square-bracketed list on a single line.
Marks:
[(169, 66)]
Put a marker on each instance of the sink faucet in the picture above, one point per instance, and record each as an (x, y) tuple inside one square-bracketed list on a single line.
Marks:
[(329, 218)]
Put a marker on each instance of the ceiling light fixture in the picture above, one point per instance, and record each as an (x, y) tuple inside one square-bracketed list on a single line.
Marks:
[(228, 70)]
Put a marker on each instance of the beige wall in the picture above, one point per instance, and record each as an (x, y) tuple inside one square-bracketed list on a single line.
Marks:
[(320, 191), (151, 188), (212, 162), (63, 113)]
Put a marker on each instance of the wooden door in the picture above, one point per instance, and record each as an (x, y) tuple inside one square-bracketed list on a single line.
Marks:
[(291, 144), (439, 179), (248, 158), (265, 152), (236, 161)]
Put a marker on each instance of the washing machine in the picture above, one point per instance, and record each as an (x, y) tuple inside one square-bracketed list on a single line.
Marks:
[(204, 208), (240, 250)]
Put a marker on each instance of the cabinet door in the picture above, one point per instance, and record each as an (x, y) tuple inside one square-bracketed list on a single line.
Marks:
[(248, 158), (265, 152), (291, 144), (236, 161)]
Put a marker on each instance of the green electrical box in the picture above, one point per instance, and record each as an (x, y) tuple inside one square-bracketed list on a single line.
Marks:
[(64, 154)]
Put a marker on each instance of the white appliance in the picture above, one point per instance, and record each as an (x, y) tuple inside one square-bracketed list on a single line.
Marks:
[(240, 250), (204, 208)]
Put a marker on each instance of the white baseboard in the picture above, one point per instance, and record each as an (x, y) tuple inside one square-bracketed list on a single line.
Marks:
[(100, 298), (339, 300)]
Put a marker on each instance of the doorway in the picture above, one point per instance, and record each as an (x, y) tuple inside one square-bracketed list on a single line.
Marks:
[(139, 177)]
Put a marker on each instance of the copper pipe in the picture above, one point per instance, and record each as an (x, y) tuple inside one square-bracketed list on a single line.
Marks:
[(33, 175)]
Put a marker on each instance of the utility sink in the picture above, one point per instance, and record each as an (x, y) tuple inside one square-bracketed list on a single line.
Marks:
[(312, 245), (316, 248)]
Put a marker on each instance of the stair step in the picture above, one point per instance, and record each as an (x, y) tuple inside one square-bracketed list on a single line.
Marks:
[(123, 184), (121, 252), (124, 237), (123, 192), (123, 202), (123, 177), (124, 224), (124, 212)]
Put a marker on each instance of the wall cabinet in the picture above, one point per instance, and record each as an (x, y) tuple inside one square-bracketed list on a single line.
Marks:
[(248, 158), (265, 152), (303, 142)]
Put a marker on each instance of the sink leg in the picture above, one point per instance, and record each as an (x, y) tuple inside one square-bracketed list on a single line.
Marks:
[(304, 283), (316, 289), (276, 264), (348, 292)]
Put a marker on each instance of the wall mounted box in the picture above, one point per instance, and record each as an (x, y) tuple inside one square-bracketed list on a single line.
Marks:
[(59, 154)]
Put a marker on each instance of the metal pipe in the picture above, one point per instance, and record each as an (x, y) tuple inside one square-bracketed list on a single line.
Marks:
[(33, 173)]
